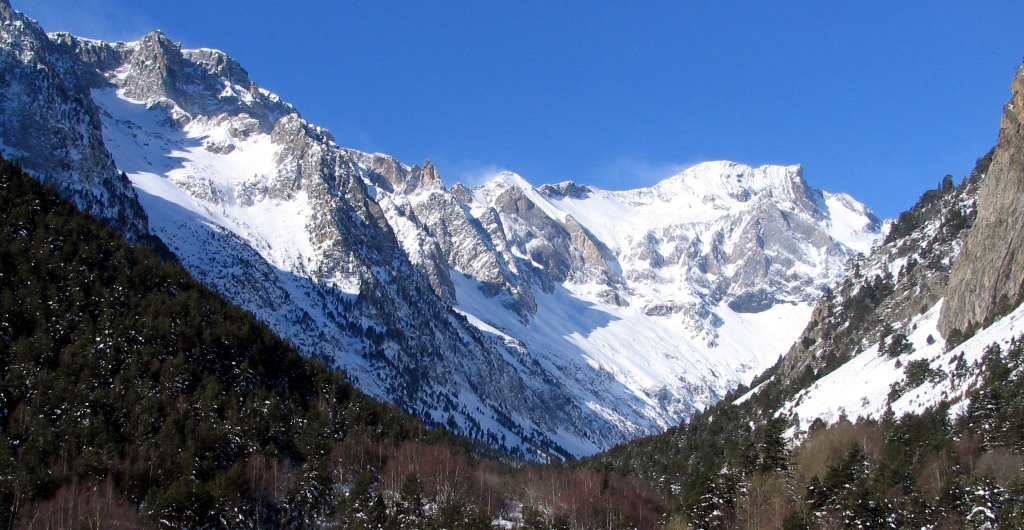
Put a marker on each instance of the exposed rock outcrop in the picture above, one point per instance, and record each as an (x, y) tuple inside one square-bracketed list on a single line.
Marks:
[(988, 278), (50, 125)]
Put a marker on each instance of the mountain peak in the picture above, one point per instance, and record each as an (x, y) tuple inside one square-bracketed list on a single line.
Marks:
[(723, 180), (194, 84), (48, 126), (9, 14), (507, 179), (424, 178), (158, 39), (221, 64), (152, 66), (742, 175)]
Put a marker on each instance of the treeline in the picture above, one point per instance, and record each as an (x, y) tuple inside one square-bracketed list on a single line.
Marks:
[(731, 468), (132, 396)]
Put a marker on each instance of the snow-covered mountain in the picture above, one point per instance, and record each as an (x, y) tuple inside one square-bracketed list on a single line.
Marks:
[(555, 320), (651, 301)]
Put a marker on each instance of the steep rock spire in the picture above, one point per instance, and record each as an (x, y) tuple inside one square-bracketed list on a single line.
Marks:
[(154, 68)]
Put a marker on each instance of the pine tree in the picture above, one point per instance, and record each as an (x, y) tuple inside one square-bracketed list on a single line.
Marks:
[(409, 511), (986, 502)]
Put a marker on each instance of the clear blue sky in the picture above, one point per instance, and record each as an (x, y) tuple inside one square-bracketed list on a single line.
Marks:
[(879, 99)]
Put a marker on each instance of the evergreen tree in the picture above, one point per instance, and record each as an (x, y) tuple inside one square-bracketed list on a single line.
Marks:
[(409, 511)]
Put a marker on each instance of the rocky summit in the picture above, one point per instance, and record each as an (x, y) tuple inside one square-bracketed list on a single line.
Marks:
[(551, 321)]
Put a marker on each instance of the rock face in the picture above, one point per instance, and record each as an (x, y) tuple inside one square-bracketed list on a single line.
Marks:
[(718, 233), (553, 321), (988, 279), (50, 125)]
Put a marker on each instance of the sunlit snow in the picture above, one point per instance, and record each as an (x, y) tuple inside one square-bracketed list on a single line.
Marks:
[(859, 388)]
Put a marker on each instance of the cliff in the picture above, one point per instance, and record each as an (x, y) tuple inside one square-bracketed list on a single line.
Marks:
[(988, 279)]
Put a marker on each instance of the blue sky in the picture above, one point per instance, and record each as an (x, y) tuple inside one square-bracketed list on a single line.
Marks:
[(877, 99)]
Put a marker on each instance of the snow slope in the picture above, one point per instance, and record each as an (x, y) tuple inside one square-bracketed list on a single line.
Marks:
[(631, 298), (860, 388), (704, 193), (628, 366)]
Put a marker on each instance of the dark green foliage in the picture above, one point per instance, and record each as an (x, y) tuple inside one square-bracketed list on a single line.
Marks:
[(956, 337), (986, 501), (702, 464), (915, 374), (904, 225), (919, 371), (996, 412), (912, 219), (537, 520), (798, 519), (844, 492), (910, 445), (116, 364), (770, 446), (457, 515), (1013, 505), (409, 510), (897, 345)]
